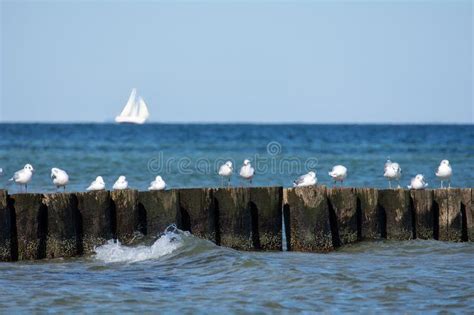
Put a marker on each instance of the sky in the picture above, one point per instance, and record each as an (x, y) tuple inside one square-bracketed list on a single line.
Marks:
[(238, 61)]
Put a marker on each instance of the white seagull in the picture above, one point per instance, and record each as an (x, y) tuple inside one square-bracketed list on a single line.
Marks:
[(444, 172), (157, 184), (392, 170), (23, 177), (226, 171), (121, 183), (98, 184), (418, 182), (306, 180), (60, 177), (247, 171), (338, 173)]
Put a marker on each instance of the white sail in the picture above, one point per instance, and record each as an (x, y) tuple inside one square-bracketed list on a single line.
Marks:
[(142, 109), (127, 110), (135, 111)]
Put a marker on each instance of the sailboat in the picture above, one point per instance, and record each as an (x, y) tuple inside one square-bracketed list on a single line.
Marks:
[(135, 111)]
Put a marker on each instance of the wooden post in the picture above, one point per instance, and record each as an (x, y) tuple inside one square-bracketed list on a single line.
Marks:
[(307, 222), (395, 204)]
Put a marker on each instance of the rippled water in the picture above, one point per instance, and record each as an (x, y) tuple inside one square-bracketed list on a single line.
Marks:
[(188, 155), (180, 273)]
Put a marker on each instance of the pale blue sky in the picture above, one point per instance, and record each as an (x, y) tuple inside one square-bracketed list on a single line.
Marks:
[(241, 61)]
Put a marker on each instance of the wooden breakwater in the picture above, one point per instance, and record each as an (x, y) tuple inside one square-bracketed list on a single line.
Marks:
[(316, 219)]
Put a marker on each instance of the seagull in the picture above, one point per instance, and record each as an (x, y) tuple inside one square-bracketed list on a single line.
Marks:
[(157, 184), (418, 182), (247, 171), (226, 171), (23, 177), (338, 173), (306, 180), (392, 170), (444, 172), (98, 184), (60, 178), (121, 183)]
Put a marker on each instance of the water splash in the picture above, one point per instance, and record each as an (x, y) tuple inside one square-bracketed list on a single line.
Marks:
[(168, 242)]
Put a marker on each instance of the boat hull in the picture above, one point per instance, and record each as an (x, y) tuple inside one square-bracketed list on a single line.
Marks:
[(130, 120)]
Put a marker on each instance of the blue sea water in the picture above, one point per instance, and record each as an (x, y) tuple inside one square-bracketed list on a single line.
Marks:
[(188, 155), (182, 274), (178, 273)]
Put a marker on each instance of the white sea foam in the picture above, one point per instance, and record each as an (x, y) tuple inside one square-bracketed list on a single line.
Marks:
[(167, 243)]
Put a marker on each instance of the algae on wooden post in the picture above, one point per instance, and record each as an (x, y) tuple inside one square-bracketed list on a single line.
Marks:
[(62, 239), (307, 217), (395, 203), (424, 215), (344, 204), (267, 202), (129, 224), (235, 218), (6, 232), (468, 209), (95, 213), (371, 228), (31, 225), (161, 209), (450, 218), (197, 213)]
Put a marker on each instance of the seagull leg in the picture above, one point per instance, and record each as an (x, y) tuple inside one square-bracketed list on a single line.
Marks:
[(449, 184), (228, 182), (26, 188), (389, 184), (441, 184)]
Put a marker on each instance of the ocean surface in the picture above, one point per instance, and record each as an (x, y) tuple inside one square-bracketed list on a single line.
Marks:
[(178, 273), (189, 155), (182, 274)]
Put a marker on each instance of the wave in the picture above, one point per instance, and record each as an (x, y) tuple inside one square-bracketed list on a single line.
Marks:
[(113, 251)]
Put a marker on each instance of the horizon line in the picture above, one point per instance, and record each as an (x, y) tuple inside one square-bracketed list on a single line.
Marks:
[(236, 123)]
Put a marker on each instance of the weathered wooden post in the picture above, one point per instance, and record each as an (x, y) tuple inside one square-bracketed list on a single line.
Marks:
[(197, 212), (130, 225), (62, 238), (95, 218), (395, 205), (267, 202), (31, 225), (6, 232), (343, 201), (161, 209), (235, 218), (468, 212), (424, 215), (450, 218), (307, 222), (370, 220)]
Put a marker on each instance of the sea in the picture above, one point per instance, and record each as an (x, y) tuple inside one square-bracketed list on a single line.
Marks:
[(178, 273)]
